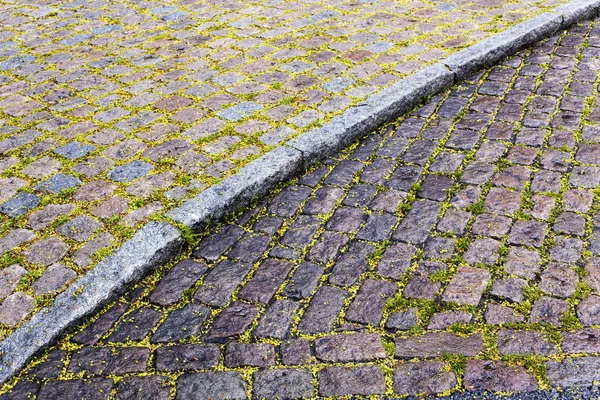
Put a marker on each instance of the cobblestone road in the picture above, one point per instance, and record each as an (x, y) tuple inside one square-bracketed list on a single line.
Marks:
[(114, 110), (456, 249)]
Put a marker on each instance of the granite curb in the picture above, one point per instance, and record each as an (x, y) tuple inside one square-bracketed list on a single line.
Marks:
[(157, 242)]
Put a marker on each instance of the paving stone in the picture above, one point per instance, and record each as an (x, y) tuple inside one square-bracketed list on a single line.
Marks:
[(585, 177), (522, 262), (403, 320), (435, 187), (46, 251), (346, 219), (578, 200), (421, 287), (346, 381), (283, 383), (324, 200), (437, 343), (105, 361), (416, 225), (573, 372), (57, 183), (303, 281), (528, 233), (524, 343), (403, 177), (180, 278), (377, 228), (9, 279), (566, 249), (467, 286), (585, 340), (444, 319), (93, 389), (301, 232), (231, 322), (570, 223), (295, 351), (483, 251), (187, 356), (367, 306), (211, 385), (454, 221), (548, 310), (438, 248), (497, 314), (15, 308), (327, 247), (220, 282), (277, 320), (588, 310), (509, 288), (515, 177), (53, 279), (498, 377), (15, 238), (350, 265), (19, 204), (322, 311), (182, 323), (99, 327), (135, 325), (356, 347), (422, 378), (559, 280), (213, 246), (130, 171), (477, 173), (492, 225), (288, 201), (252, 354), (80, 228), (396, 260), (502, 201), (143, 387)]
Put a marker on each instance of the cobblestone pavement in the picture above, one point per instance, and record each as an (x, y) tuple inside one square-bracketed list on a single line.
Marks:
[(111, 111), (455, 250)]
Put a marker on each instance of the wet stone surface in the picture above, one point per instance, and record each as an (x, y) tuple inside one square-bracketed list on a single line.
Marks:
[(433, 257)]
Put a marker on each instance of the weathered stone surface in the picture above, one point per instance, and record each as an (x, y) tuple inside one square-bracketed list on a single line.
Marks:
[(548, 310), (53, 279), (396, 260), (143, 387), (303, 281), (436, 344), (46, 251), (495, 376), (353, 263), (350, 348), (421, 287), (403, 320), (92, 389), (367, 306), (269, 276), (585, 340), (522, 262), (187, 356), (220, 282), (483, 251), (44, 217), (249, 355), (295, 351), (231, 322), (524, 342), (573, 371), (559, 280), (419, 221), (180, 278), (497, 314), (422, 378), (322, 311), (509, 288), (588, 310), (105, 361), (99, 327), (182, 324), (211, 386), (276, 321), (135, 325), (444, 319), (15, 308), (9, 279), (283, 384), (467, 286), (342, 381), (19, 204)]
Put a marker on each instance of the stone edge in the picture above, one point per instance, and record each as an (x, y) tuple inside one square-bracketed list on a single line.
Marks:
[(157, 242)]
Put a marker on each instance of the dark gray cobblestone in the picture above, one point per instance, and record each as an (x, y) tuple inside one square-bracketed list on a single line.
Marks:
[(452, 251)]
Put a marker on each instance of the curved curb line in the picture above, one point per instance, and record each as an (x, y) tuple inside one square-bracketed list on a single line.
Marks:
[(280, 164), (151, 246), (156, 242)]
